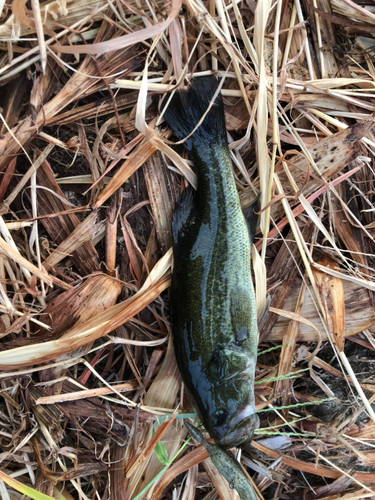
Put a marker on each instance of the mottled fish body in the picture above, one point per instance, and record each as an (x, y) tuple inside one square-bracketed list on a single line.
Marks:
[(212, 300)]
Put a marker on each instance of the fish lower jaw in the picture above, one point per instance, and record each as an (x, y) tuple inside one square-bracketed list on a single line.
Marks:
[(242, 432)]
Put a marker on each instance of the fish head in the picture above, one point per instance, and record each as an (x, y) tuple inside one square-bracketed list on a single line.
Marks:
[(230, 416)]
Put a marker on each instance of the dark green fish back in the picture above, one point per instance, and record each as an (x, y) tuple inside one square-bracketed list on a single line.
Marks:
[(212, 301)]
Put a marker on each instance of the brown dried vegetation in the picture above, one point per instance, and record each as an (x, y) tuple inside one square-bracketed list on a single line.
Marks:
[(89, 180)]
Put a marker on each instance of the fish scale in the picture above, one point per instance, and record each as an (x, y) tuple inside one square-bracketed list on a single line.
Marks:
[(212, 300)]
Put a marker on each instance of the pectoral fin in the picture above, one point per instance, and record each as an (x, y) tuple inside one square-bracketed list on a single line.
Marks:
[(226, 362), (241, 309), (263, 310)]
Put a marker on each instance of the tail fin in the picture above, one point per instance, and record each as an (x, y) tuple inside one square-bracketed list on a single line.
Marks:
[(187, 108)]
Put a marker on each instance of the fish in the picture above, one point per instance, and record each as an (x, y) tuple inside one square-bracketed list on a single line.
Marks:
[(212, 302), (227, 465)]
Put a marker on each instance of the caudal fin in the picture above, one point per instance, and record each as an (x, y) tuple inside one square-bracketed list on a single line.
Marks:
[(187, 107)]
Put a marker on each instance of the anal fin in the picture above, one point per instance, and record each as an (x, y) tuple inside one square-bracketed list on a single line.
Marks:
[(251, 217), (183, 210)]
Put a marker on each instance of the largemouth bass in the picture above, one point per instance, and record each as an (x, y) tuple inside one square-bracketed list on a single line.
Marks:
[(212, 301)]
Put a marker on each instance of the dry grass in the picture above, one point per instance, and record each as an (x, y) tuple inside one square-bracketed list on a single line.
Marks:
[(89, 179)]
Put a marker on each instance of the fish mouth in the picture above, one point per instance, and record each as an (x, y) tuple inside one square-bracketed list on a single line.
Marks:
[(241, 430)]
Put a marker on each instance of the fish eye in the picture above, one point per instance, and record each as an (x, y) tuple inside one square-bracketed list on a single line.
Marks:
[(220, 417)]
